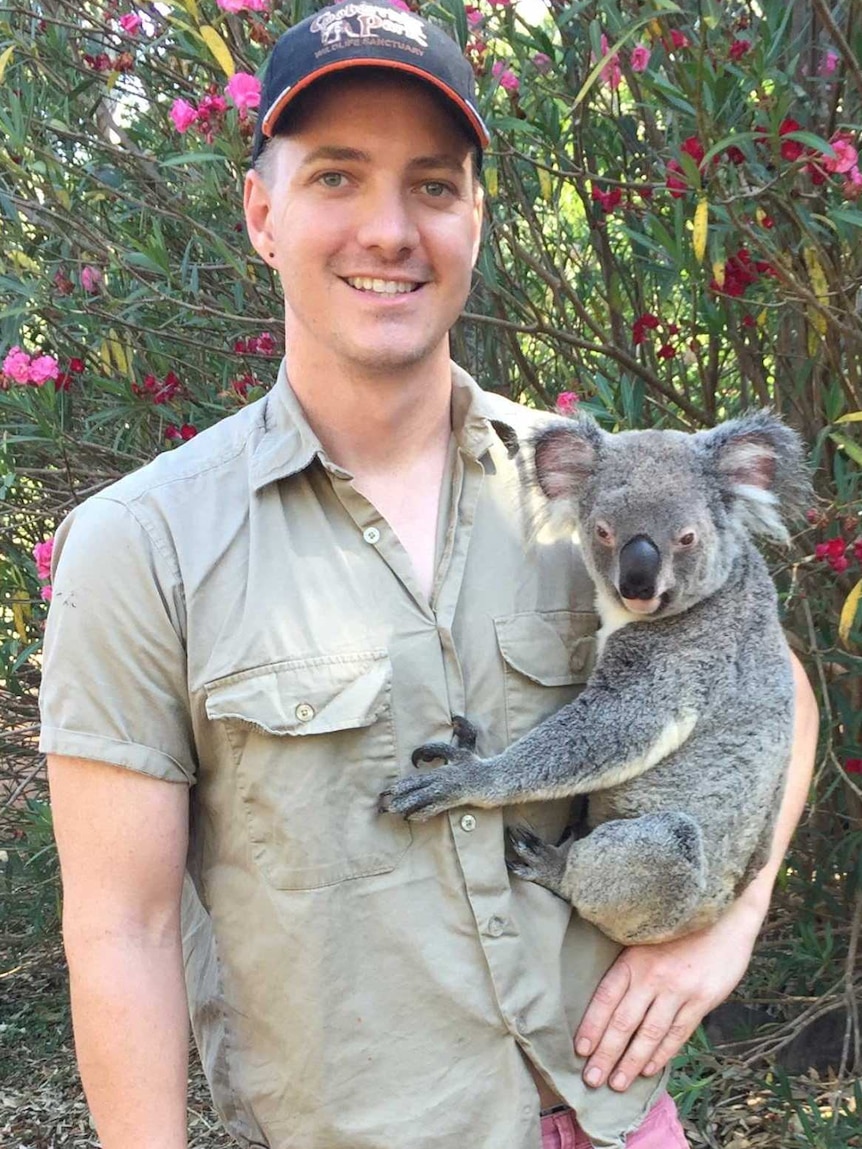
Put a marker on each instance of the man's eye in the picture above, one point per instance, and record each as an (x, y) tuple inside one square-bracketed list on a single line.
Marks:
[(436, 189), (331, 179)]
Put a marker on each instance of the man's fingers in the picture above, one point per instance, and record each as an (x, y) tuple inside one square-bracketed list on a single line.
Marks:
[(662, 1025), (684, 1025), (609, 993), (623, 1024)]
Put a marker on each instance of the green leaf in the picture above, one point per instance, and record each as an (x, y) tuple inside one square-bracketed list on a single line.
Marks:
[(850, 447)]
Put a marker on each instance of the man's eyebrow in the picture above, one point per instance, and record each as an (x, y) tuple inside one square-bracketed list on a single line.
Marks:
[(335, 152), (338, 153)]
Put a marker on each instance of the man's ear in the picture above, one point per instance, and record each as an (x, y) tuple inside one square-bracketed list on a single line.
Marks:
[(257, 206), (479, 217)]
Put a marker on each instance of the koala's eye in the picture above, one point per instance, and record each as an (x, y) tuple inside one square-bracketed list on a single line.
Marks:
[(604, 533), (688, 539)]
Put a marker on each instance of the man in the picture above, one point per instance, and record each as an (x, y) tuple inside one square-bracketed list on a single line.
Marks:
[(250, 635)]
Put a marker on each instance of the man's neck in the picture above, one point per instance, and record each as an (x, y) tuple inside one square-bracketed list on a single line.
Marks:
[(375, 424)]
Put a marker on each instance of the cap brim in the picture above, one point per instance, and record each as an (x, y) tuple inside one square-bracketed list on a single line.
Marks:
[(280, 103)]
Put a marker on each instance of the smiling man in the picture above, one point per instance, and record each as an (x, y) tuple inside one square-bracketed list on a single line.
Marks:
[(265, 624)]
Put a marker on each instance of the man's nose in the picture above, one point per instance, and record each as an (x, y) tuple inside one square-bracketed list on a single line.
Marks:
[(388, 224), (640, 562)]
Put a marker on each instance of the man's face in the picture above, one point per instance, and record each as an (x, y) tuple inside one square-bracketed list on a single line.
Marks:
[(373, 216)]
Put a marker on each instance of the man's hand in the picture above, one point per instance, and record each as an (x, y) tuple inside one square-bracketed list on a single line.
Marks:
[(653, 998)]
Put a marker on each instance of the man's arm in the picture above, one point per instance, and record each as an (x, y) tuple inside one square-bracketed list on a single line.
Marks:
[(653, 997), (122, 839)]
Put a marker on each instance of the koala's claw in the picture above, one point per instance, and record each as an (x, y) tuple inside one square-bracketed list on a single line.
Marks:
[(431, 751), (465, 732), (537, 861)]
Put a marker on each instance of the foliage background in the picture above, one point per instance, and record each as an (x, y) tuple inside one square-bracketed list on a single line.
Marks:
[(670, 236)]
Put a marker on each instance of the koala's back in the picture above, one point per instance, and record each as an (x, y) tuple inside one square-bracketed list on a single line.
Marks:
[(728, 659)]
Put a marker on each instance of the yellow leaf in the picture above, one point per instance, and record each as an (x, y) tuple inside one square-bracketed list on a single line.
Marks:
[(190, 6), (105, 356), (718, 272), (701, 227), (655, 29), (545, 184), (849, 612), (491, 181), (219, 49), (761, 319), (21, 612), (117, 353), (819, 286), (852, 417), (5, 57), (22, 261)]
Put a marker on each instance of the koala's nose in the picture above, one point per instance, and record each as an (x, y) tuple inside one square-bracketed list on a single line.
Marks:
[(640, 562)]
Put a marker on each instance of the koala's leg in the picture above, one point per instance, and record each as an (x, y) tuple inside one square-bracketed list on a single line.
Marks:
[(639, 880)]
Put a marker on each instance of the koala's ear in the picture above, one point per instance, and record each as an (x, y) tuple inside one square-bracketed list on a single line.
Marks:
[(565, 456), (761, 470)]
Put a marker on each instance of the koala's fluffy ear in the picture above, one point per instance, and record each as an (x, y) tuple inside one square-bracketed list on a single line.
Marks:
[(565, 456), (761, 470)]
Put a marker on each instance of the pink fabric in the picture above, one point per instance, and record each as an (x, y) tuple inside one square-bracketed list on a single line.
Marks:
[(661, 1130)]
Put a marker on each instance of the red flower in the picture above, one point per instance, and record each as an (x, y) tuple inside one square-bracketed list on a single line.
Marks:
[(676, 186), (679, 39), (857, 550), (738, 49), (739, 274), (840, 564), (608, 199), (735, 154), (853, 765), (694, 148), (63, 382), (76, 365), (667, 351), (240, 346), (644, 323), (749, 321), (791, 149), (188, 431), (265, 344), (832, 549)]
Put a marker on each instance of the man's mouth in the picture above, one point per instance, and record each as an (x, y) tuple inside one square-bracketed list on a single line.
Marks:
[(382, 286)]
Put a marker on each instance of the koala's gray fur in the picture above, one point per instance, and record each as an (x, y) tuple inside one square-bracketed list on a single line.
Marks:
[(682, 736)]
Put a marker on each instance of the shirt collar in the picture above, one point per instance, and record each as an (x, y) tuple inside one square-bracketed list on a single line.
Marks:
[(289, 444)]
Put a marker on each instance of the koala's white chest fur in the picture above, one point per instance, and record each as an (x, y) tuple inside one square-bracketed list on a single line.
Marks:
[(613, 615)]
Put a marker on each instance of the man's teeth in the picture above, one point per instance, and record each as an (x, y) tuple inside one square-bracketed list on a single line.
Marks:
[(382, 286)]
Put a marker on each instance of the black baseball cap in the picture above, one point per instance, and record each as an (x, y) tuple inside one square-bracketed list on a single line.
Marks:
[(360, 34)]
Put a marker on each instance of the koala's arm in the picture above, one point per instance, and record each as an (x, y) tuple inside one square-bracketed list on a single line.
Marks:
[(613, 731)]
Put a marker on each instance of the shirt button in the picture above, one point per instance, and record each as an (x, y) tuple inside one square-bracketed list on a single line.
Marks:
[(304, 712), (371, 535), (468, 823), (496, 926)]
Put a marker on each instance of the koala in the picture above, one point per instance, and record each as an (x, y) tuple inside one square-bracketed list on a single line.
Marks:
[(682, 735)]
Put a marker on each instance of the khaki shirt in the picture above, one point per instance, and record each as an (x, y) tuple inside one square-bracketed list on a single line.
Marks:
[(236, 617)]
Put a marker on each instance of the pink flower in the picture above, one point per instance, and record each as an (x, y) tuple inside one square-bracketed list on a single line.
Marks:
[(567, 403), (43, 368), (639, 58), (505, 76), (739, 48), (474, 16), (172, 431), (845, 157), (47, 593), (499, 3), (131, 23), (91, 279), (611, 74), (542, 63), (244, 90), (183, 115), (240, 5), (400, 4), (679, 39), (17, 365), (42, 553), (829, 64)]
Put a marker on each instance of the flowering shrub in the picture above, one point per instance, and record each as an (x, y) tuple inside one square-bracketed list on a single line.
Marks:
[(674, 233)]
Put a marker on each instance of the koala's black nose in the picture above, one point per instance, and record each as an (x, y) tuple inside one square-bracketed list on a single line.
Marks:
[(640, 562)]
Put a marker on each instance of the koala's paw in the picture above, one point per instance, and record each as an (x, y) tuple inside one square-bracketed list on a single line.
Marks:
[(421, 796), (537, 861), (464, 733)]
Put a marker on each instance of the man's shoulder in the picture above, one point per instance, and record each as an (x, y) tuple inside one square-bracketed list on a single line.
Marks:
[(225, 446), (522, 419)]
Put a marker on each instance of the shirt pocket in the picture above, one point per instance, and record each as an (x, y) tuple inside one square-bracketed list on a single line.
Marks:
[(314, 744), (547, 658)]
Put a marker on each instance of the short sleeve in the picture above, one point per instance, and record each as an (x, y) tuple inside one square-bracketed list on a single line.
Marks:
[(114, 680)]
